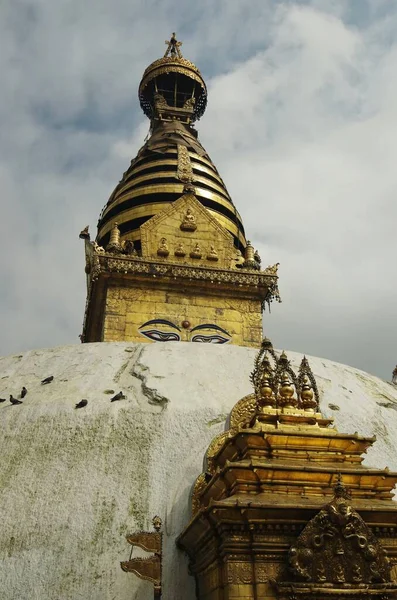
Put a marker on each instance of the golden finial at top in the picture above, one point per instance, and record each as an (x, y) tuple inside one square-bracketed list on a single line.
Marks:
[(173, 47)]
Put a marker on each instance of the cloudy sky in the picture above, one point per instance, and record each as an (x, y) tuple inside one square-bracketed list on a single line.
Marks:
[(301, 123)]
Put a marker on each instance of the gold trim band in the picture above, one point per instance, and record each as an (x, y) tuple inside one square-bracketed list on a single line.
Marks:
[(176, 188)]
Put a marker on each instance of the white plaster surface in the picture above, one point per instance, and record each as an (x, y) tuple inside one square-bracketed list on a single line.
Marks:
[(75, 482)]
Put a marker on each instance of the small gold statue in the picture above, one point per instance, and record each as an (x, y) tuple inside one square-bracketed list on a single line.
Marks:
[(179, 250), (163, 248), (189, 221), (196, 252), (212, 255)]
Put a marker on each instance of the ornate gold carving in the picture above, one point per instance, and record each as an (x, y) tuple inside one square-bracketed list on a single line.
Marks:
[(307, 387), (272, 270), (179, 250), (173, 47), (196, 252), (212, 254), (162, 250), (243, 412), (336, 546), (250, 262), (189, 221), (148, 569), (286, 390), (114, 245), (184, 171), (199, 485), (214, 448), (240, 572)]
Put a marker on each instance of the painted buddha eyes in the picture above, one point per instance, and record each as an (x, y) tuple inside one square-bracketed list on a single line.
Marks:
[(161, 336), (161, 333), (210, 338), (158, 330)]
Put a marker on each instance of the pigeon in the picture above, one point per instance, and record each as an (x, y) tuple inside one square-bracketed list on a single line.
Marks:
[(81, 404), (47, 379), (119, 396), (2, 399), (14, 400), (84, 235), (24, 391)]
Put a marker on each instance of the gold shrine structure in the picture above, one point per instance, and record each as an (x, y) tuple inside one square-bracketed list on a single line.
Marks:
[(170, 261), (285, 509)]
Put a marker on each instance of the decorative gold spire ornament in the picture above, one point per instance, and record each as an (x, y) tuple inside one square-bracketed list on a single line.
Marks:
[(173, 47), (170, 225), (114, 242)]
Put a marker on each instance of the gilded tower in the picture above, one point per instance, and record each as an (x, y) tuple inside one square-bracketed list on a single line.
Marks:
[(171, 261)]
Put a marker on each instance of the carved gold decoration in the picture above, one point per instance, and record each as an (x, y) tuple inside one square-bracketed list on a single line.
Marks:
[(198, 487), (114, 245), (189, 221), (243, 412), (173, 47), (336, 546), (184, 171), (214, 447), (196, 252), (148, 569), (212, 254), (179, 250), (250, 262), (162, 250), (307, 387)]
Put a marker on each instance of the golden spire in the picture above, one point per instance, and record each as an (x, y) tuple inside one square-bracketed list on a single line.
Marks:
[(173, 47)]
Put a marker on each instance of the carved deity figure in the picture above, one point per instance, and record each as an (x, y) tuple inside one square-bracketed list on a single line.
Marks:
[(189, 221), (212, 255), (179, 250), (196, 252), (163, 248)]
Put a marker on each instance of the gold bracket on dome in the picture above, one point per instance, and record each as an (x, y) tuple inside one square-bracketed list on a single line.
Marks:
[(148, 569)]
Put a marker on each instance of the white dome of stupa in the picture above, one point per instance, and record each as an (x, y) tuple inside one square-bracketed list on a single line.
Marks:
[(75, 482)]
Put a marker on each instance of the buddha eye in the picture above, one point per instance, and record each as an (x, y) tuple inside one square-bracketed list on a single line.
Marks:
[(161, 336), (210, 339)]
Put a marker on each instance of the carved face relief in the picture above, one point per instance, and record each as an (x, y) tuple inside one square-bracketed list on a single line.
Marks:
[(162, 330)]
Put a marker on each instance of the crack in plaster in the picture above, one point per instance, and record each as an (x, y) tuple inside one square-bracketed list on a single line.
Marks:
[(141, 372)]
